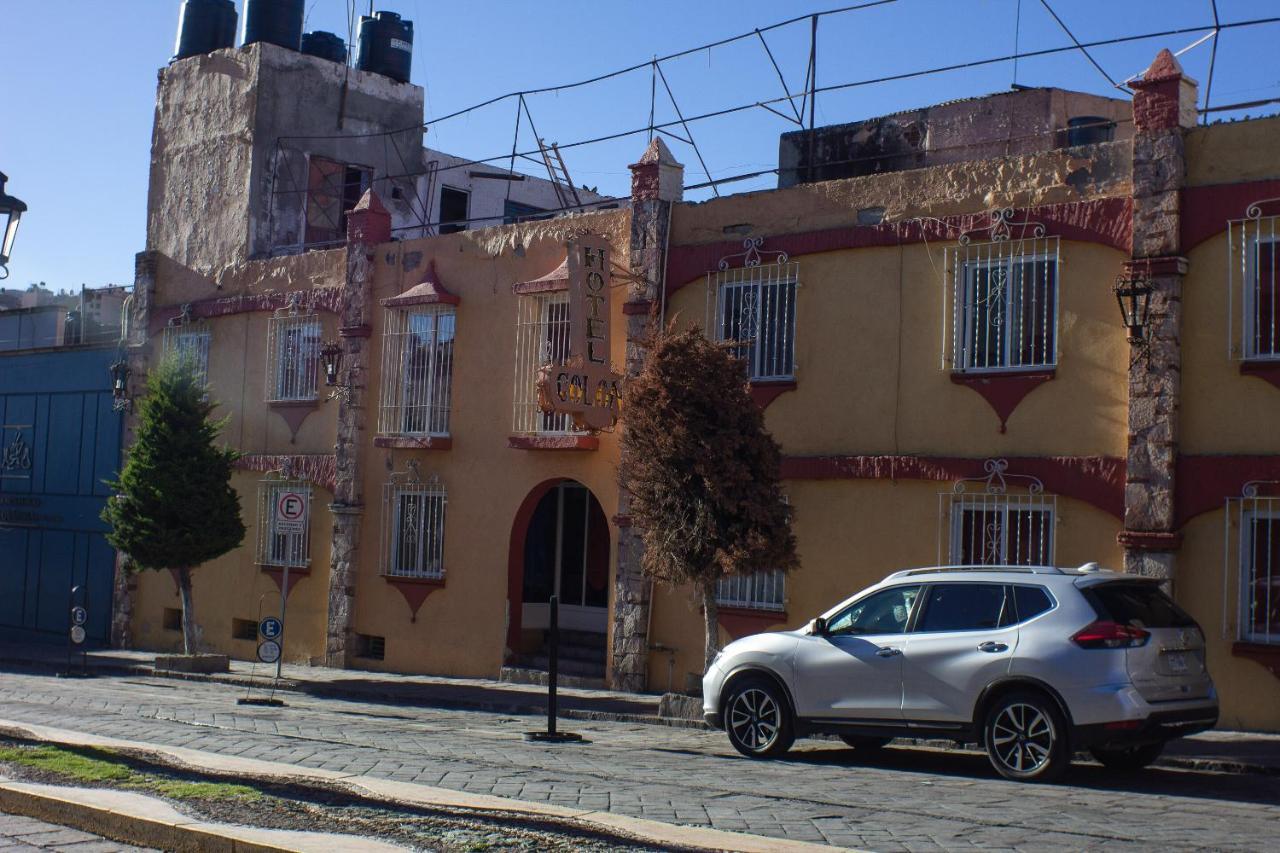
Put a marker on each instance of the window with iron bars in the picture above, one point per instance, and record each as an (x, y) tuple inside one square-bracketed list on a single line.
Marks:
[(996, 529), (1255, 247), (413, 529), (542, 337), (190, 341), (755, 308), (277, 547), (1253, 559), (765, 590), (417, 370), (1004, 305), (332, 189), (293, 357)]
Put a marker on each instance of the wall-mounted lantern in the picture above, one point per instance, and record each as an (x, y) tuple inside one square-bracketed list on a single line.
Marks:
[(331, 361), (1133, 293), (120, 400), (11, 210)]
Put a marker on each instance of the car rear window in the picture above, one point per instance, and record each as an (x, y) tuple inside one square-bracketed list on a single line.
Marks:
[(1138, 604), (1031, 601)]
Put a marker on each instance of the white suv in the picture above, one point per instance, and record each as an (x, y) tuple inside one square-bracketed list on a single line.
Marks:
[(1032, 662)]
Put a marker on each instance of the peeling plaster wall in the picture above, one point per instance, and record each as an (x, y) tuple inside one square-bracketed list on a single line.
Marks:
[(1238, 151)]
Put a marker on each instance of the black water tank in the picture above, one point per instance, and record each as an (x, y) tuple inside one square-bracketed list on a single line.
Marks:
[(274, 21), (204, 26), (386, 45), (1088, 130), (325, 45)]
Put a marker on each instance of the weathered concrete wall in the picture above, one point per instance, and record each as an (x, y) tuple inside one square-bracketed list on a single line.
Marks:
[(1238, 151)]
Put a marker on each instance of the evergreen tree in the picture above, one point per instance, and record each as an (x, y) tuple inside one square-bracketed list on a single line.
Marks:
[(702, 472), (174, 507)]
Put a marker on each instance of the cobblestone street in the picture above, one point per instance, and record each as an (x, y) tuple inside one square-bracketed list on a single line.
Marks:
[(906, 799), (18, 833)]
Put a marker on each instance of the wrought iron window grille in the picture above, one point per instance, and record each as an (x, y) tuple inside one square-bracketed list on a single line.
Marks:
[(1251, 557), (981, 522), (1253, 283), (293, 353), (417, 370), (188, 338), (542, 338), (752, 307), (277, 547), (413, 511)]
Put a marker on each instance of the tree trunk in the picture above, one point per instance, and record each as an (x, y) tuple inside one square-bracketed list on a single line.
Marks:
[(188, 611), (710, 615)]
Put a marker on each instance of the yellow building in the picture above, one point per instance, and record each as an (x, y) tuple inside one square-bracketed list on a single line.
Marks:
[(938, 351)]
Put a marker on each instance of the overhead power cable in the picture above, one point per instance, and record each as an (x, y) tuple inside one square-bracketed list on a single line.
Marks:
[(1087, 55)]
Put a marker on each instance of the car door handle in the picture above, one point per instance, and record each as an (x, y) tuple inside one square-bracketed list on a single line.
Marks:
[(887, 652), (990, 646)]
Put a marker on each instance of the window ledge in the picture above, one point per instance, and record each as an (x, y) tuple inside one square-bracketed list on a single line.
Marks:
[(765, 391), (414, 589), (1260, 653), (1004, 389), (744, 621), (294, 412), (1267, 369), (553, 442), (414, 442), (276, 573)]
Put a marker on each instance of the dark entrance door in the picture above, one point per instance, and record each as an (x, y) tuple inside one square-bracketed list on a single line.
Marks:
[(59, 442), (566, 553)]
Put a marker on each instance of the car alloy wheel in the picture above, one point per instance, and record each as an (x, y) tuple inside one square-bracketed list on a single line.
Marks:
[(1024, 738), (758, 719)]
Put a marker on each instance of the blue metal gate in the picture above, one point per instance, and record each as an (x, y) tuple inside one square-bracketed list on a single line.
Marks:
[(59, 442)]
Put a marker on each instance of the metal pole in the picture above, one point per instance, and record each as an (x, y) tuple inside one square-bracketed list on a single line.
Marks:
[(71, 603), (284, 599), (554, 662)]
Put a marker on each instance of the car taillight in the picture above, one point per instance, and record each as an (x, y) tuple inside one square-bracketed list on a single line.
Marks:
[(1109, 635)]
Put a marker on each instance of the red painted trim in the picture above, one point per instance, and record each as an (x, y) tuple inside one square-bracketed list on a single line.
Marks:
[(1205, 482), (638, 309), (409, 442), (741, 622), (415, 591), (1268, 371), (1259, 653), (1206, 210), (621, 520), (1003, 391), (316, 299), (277, 574), (1149, 540), (361, 331), (515, 558), (1096, 480), (1159, 266), (294, 412), (430, 291), (318, 468), (1108, 221), (553, 442), (765, 393)]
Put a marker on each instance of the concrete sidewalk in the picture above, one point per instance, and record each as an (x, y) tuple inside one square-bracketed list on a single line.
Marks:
[(1219, 750)]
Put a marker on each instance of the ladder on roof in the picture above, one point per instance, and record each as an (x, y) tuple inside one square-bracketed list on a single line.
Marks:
[(429, 197), (566, 192)]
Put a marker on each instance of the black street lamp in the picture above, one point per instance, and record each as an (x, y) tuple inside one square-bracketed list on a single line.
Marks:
[(1133, 293), (11, 210), (331, 358), (120, 385)]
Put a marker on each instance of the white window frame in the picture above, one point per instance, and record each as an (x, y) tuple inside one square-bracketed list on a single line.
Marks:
[(293, 370), (1249, 568), (1256, 503), (282, 549), (752, 312), (1247, 239), (191, 340), (991, 494), (763, 590), (402, 557), (407, 404), (1013, 256), (542, 337)]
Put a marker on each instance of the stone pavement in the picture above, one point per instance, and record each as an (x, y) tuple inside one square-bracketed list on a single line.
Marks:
[(905, 799), (19, 833)]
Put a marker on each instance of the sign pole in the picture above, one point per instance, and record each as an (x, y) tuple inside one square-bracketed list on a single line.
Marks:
[(552, 735), (284, 600)]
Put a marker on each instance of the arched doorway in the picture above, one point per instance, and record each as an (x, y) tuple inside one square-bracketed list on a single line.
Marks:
[(560, 546)]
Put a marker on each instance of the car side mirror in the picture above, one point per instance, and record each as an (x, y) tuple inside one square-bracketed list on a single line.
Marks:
[(818, 627)]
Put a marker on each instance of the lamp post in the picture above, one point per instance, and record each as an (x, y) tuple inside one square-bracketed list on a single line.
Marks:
[(11, 210), (331, 361), (120, 371), (1133, 293)]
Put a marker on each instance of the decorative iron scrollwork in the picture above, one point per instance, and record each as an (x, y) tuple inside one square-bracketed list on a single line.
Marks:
[(997, 480), (1001, 227), (16, 455), (1254, 211), (751, 256)]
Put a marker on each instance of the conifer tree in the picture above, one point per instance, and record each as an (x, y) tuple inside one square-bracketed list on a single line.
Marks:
[(702, 472), (174, 507)]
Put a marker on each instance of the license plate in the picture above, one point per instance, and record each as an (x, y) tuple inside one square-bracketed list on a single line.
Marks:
[(1177, 663)]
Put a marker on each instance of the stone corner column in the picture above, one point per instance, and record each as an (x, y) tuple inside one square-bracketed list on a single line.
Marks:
[(657, 183), (368, 225), (1163, 108)]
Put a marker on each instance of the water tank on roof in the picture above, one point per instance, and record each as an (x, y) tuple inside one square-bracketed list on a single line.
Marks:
[(204, 26), (325, 45), (274, 21), (386, 45)]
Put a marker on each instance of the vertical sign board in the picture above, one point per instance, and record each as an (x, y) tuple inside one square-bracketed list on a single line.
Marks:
[(585, 385), (291, 513)]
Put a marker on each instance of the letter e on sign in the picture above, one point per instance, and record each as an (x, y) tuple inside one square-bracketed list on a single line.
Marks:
[(291, 512)]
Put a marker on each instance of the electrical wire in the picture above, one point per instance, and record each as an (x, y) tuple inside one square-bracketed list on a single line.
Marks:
[(1087, 55)]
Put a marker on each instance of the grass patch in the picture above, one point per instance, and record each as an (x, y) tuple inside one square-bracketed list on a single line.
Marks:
[(101, 767)]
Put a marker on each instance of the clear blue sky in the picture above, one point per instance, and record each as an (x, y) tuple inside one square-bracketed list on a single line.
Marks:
[(79, 86)]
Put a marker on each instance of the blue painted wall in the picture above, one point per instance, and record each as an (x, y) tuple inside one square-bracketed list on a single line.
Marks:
[(59, 442)]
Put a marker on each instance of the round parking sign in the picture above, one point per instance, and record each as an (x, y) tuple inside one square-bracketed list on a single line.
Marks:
[(270, 628), (291, 512), (77, 634), (79, 615), (268, 651)]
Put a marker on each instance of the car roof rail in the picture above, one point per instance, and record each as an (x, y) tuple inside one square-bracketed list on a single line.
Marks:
[(1024, 570)]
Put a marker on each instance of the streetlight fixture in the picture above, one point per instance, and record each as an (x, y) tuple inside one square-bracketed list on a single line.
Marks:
[(331, 361), (11, 210), (1133, 293), (120, 372)]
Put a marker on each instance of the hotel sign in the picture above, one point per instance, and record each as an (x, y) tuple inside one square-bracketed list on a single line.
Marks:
[(584, 385)]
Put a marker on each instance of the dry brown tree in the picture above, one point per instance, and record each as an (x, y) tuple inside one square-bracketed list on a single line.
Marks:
[(702, 472)]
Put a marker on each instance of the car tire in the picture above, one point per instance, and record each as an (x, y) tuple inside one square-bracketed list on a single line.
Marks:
[(757, 718), (1128, 758), (866, 743), (1026, 737)]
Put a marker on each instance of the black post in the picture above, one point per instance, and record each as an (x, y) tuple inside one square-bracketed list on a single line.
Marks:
[(71, 603), (555, 660)]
